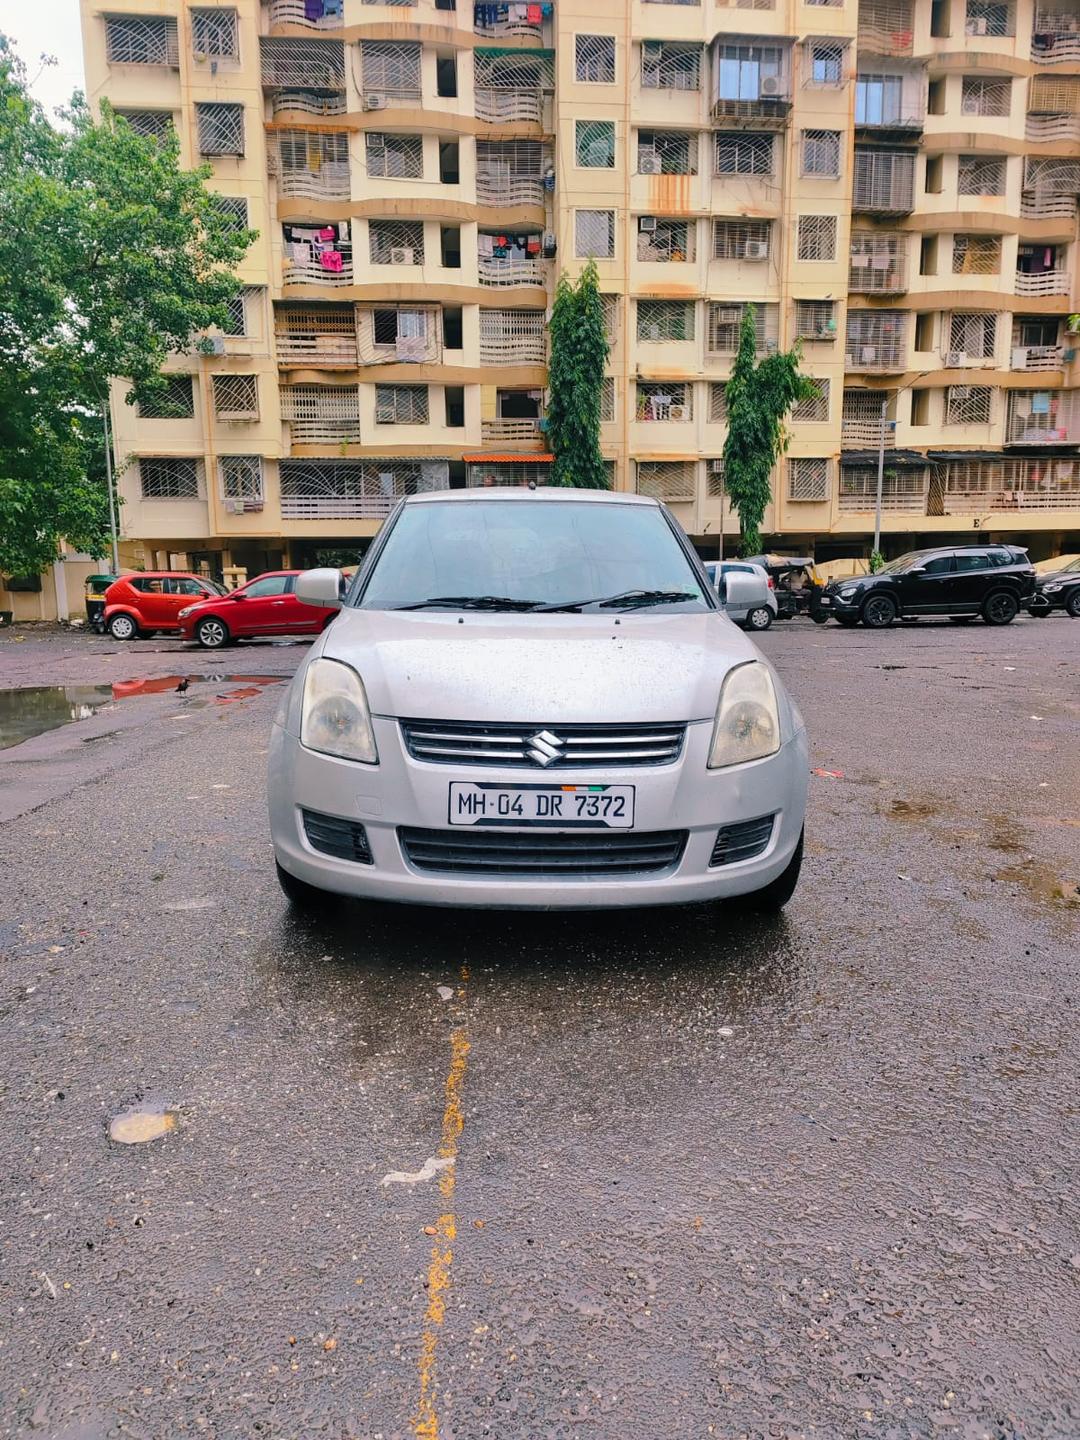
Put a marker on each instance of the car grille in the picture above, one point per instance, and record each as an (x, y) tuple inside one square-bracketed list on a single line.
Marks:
[(550, 747), (344, 839), (485, 852), (742, 841)]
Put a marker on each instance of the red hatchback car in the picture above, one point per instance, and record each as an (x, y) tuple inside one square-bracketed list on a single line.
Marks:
[(264, 606), (139, 604)]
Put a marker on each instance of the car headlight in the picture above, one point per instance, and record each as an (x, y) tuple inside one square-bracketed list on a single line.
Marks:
[(1049, 589), (747, 719), (335, 718), (849, 593)]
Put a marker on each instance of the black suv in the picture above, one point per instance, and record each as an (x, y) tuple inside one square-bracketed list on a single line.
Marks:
[(960, 581), (1061, 588)]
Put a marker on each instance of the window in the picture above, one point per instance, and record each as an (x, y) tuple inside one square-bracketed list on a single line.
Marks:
[(668, 65), (171, 479), (976, 255), (879, 99), (594, 59), (924, 330), (176, 401), (974, 335), (401, 404), (665, 400), (981, 175), (718, 403), (984, 97), (241, 477), (396, 242), (667, 152), (748, 73), (741, 239), (884, 180), (395, 157), (815, 319), (236, 324), (221, 129), (825, 62), (594, 234), (141, 40), (232, 211), (739, 153), (665, 240), (446, 76), (808, 479), (817, 237), (610, 306), (659, 320), (236, 397), (268, 585), (816, 406), (724, 322), (714, 479), (667, 479), (821, 153), (214, 35), (595, 144), (150, 124), (454, 397), (390, 69), (968, 404), (975, 560), (607, 399), (989, 17)]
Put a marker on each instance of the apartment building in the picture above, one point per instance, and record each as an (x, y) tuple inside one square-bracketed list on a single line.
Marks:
[(894, 183)]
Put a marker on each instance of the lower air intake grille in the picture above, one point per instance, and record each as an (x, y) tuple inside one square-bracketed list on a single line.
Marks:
[(485, 852), (344, 839), (742, 841)]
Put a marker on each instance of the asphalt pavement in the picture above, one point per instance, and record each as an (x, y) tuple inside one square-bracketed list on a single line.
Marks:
[(711, 1176)]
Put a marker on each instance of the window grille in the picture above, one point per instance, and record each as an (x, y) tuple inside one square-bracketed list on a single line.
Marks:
[(821, 153), (989, 17), (884, 181), (718, 403), (665, 400), (391, 69), (667, 152), (321, 414), (610, 306), (396, 242), (319, 64), (1042, 416), (738, 153), (860, 419), (237, 309), (1051, 176), (824, 2), (968, 404), (594, 234), (232, 211), (221, 129), (168, 479), (974, 335), (876, 340), (175, 402), (607, 399), (667, 240), (513, 337), (817, 237), (667, 479), (741, 239), (511, 172), (515, 70), (595, 144), (976, 255), (816, 407), (395, 157), (594, 59), (825, 63), (980, 175), (401, 404), (984, 97), (150, 124), (141, 40), (242, 478), (669, 65), (214, 35), (715, 483), (1051, 95), (660, 320), (316, 334), (878, 262), (403, 335), (725, 321), (900, 489), (353, 489), (808, 479), (747, 75), (885, 26), (815, 319), (236, 397)]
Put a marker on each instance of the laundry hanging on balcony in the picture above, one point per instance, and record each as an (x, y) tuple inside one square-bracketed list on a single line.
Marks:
[(331, 260)]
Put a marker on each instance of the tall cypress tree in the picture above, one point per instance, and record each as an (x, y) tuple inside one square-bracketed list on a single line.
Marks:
[(579, 350)]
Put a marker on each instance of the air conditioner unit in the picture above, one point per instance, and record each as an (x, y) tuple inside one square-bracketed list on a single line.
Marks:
[(237, 417), (252, 506), (756, 250), (955, 359), (677, 412), (374, 102), (652, 332), (1019, 359), (772, 87), (868, 354), (977, 26), (402, 255), (234, 507), (648, 162), (384, 415), (728, 317), (646, 224)]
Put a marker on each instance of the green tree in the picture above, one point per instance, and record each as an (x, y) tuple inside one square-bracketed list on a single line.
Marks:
[(579, 350), (759, 396), (111, 258)]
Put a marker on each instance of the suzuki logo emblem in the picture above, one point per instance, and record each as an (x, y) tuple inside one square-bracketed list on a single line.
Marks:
[(544, 748)]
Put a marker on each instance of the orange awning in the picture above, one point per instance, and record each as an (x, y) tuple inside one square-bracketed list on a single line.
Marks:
[(532, 459)]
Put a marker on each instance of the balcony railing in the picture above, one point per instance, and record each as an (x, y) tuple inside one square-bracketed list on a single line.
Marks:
[(311, 102), (509, 107), (863, 434), (977, 502), (903, 490), (1037, 357), (304, 267), (884, 182), (1043, 417), (502, 270), (1055, 37), (876, 341), (509, 432), (1047, 282), (319, 64), (512, 337), (317, 337), (877, 266), (329, 182), (311, 14), (886, 27), (498, 21), (496, 188), (1053, 127)]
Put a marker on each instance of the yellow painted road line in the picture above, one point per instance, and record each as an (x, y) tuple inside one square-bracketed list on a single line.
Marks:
[(426, 1424)]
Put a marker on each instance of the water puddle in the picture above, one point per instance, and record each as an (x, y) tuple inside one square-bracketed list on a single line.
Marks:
[(141, 1123)]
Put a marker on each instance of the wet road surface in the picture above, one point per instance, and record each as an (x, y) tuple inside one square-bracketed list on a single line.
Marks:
[(628, 1177)]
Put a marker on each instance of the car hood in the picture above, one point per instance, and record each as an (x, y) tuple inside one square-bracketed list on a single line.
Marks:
[(633, 668), (1056, 575)]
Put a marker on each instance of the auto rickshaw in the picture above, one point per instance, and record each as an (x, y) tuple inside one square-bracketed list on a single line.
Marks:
[(796, 585), (94, 599)]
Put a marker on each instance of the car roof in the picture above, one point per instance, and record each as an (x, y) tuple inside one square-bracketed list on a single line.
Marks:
[(160, 575), (527, 492), (262, 575)]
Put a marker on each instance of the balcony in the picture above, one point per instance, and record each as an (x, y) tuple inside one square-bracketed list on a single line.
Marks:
[(510, 107), (498, 22), (398, 334), (860, 421), (884, 182), (513, 337), (886, 27), (311, 166), (510, 432), (310, 14), (974, 487), (901, 489), (1040, 206), (319, 336), (876, 341), (723, 323), (1037, 357), (302, 64), (1055, 35), (751, 81), (511, 173), (500, 271), (877, 263), (1047, 282), (354, 489), (311, 260), (321, 414), (1043, 417), (891, 103)]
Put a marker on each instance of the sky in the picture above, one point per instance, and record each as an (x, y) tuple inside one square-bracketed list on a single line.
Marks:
[(48, 27)]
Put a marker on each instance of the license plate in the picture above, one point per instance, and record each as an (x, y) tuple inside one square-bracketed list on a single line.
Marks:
[(558, 806)]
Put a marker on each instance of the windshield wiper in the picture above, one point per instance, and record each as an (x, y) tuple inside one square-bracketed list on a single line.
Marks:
[(471, 602), (627, 600)]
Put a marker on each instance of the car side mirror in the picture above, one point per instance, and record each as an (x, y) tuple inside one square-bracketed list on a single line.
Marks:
[(917, 570), (239, 595), (740, 590), (320, 587)]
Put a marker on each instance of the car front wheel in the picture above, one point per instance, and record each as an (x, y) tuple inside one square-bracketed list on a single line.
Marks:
[(123, 627), (1000, 608), (879, 611), (212, 633), (308, 898), (847, 621), (778, 892), (759, 618), (1072, 604)]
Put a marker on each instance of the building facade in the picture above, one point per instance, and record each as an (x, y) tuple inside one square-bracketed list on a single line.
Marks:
[(894, 183)]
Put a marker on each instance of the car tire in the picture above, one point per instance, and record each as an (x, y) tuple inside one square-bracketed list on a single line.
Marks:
[(760, 618), (879, 612), (847, 621), (960, 619), (308, 898), (774, 896), (820, 619), (1000, 608), (1072, 605), (123, 627), (212, 633)]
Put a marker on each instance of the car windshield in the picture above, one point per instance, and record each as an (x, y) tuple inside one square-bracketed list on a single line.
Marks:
[(1072, 566), (526, 554), (901, 564)]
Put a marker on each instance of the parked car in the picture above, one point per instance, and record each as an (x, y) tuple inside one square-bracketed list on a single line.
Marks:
[(1058, 590), (796, 584), (140, 604), (759, 611), (532, 699), (960, 581), (267, 605)]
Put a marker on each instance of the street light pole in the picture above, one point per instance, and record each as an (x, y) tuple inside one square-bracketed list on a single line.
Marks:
[(880, 471), (109, 487)]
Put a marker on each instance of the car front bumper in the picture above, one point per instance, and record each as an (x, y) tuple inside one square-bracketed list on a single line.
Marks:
[(401, 792), (833, 605)]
